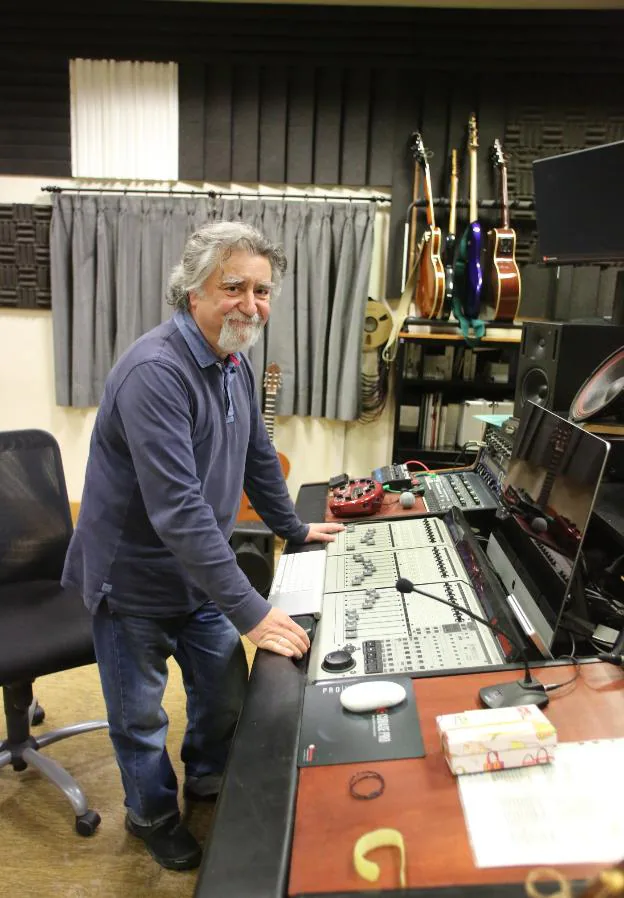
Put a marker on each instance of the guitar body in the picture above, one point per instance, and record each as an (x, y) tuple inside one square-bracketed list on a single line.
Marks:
[(430, 287), (502, 285), (474, 273), (246, 511), (449, 253)]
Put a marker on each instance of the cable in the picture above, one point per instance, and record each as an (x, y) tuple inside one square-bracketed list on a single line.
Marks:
[(414, 461), (552, 687)]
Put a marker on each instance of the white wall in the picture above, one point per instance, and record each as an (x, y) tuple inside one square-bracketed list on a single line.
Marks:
[(316, 448)]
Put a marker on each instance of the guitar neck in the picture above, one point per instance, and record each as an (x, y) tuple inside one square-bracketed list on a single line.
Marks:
[(453, 198), (473, 184), (429, 197), (551, 473), (504, 197), (269, 415)]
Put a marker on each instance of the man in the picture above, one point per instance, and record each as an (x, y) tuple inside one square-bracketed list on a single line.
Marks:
[(178, 434)]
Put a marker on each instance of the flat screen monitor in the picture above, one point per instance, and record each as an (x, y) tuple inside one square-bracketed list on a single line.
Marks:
[(578, 201), (551, 485)]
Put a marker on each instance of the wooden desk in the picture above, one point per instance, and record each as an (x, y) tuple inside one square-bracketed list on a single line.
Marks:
[(421, 798)]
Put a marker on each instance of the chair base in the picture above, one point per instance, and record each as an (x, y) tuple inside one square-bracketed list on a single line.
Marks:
[(21, 750)]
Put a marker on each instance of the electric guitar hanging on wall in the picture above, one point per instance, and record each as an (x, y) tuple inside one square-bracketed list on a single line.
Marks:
[(502, 286), (468, 276), (449, 241), (272, 385), (429, 294)]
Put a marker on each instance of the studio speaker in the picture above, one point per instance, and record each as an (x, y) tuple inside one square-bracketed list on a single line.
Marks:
[(556, 358), (602, 394), (254, 546)]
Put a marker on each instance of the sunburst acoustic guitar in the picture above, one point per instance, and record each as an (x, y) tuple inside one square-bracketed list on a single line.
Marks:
[(429, 294), (272, 385), (502, 283)]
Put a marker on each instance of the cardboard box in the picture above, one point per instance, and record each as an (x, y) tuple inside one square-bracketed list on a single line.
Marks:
[(496, 738)]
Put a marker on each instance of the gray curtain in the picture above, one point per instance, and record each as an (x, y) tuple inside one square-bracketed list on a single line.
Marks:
[(110, 261)]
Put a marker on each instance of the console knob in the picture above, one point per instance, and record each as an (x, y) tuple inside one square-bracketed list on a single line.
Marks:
[(335, 662)]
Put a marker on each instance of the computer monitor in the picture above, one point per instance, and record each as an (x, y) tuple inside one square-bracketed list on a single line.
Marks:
[(578, 201), (551, 485)]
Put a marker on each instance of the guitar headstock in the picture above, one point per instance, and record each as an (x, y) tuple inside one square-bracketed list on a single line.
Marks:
[(498, 156), (417, 148), (272, 379), (473, 134)]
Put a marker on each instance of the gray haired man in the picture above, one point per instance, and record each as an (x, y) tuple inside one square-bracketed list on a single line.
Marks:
[(178, 435)]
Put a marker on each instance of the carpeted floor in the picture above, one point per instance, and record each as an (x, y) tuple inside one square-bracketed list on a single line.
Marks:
[(40, 852)]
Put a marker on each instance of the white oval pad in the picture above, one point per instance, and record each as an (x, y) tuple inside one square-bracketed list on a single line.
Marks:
[(370, 696)]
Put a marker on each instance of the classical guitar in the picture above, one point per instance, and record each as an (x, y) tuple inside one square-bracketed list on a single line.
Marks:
[(468, 276), (272, 385), (449, 241), (429, 294), (502, 284)]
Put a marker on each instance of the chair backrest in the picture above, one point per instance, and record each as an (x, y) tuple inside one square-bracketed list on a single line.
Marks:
[(35, 518)]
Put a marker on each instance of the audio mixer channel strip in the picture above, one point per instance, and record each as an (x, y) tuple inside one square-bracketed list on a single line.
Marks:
[(368, 627)]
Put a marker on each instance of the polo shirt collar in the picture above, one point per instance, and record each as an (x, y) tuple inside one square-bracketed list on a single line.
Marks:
[(197, 343)]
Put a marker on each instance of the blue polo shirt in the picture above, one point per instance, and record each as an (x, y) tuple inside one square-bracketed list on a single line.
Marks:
[(178, 434)]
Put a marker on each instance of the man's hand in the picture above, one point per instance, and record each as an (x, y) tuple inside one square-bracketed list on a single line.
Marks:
[(322, 533), (280, 634)]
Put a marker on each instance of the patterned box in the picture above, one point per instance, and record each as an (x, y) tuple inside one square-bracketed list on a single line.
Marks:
[(496, 738)]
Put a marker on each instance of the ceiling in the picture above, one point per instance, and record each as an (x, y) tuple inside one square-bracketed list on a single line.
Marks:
[(441, 4)]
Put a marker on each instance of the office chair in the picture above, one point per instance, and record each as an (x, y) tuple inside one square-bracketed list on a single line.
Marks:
[(43, 628)]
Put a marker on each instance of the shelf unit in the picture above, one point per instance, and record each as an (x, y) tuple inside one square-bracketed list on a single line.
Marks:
[(501, 346)]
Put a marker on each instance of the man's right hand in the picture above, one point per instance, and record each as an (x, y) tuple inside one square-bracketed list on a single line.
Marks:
[(278, 633)]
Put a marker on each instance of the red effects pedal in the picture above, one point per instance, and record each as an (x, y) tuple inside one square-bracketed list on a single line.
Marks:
[(357, 498)]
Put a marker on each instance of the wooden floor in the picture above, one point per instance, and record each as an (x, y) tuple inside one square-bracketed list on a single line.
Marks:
[(40, 852)]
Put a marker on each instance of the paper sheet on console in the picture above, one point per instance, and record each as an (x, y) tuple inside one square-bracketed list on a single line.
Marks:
[(566, 812)]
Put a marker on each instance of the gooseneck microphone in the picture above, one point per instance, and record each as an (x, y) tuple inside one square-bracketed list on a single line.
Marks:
[(528, 691)]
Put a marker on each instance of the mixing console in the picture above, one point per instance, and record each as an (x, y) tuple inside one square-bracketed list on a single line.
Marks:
[(465, 490), (368, 627), (379, 536)]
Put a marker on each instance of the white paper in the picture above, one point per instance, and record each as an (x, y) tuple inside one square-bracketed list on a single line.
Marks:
[(566, 812)]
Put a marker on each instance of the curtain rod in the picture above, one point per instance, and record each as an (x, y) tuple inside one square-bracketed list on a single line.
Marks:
[(444, 203), (213, 194)]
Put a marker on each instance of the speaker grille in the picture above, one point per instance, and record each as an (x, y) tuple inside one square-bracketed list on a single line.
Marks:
[(535, 387)]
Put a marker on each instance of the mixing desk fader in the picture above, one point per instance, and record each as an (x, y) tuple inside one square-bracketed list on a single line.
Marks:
[(368, 627)]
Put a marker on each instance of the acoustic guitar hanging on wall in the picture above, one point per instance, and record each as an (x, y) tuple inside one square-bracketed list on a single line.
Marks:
[(272, 385), (429, 296), (501, 280)]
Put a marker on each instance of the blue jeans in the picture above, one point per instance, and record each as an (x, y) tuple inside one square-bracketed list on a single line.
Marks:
[(132, 655)]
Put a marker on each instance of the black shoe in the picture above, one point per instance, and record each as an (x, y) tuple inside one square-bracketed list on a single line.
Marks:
[(203, 788), (170, 843), (191, 795)]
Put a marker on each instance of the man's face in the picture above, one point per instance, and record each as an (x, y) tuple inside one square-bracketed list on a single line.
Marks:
[(232, 306)]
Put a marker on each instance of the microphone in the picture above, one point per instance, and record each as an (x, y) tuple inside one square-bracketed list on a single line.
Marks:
[(528, 691)]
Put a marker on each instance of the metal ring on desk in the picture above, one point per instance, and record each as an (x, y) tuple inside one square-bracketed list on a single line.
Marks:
[(366, 775)]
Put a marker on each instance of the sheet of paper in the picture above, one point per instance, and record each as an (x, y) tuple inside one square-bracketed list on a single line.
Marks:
[(569, 811), (498, 420)]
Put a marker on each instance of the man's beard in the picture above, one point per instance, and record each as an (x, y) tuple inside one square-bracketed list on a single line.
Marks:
[(239, 337)]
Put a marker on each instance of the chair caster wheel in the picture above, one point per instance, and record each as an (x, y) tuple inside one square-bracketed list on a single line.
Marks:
[(87, 823), (38, 715)]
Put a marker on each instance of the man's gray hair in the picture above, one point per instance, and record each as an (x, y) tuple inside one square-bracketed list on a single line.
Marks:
[(209, 247)]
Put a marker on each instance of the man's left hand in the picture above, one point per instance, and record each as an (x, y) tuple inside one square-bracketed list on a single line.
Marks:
[(322, 533)]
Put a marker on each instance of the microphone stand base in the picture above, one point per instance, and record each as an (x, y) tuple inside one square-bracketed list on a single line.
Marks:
[(510, 695)]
